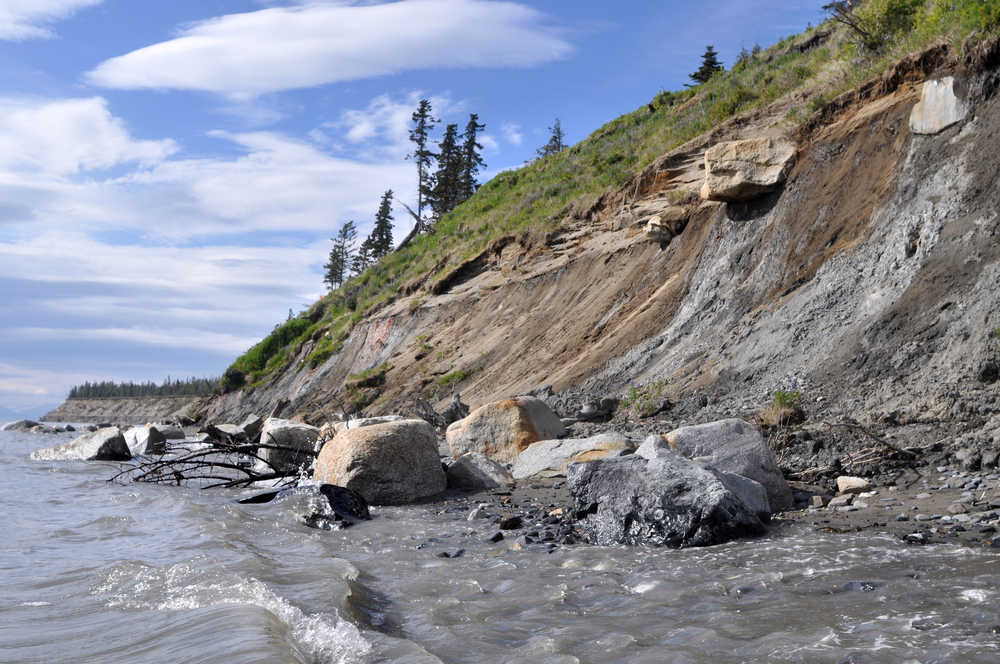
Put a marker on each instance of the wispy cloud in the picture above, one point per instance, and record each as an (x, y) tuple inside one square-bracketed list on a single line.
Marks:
[(512, 132), (282, 48), (29, 19)]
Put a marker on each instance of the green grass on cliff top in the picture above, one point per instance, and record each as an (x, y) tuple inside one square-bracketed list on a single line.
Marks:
[(535, 199)]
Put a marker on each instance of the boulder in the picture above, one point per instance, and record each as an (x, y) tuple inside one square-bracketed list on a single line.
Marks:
[(251, 426), (939, 107), (744, 170), (664, 501), (550, 457), (392, 463), (503, 429), (20, 425), (325, 506), (732, 446), (170, 431), (41, 428), (106, 444), (848, 484), (475, 472), (288, 434), (145, 440), (752, 493)]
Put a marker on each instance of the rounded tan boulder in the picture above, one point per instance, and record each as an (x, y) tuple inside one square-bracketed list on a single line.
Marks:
[(503, 429), (393, 463), (748, 169)]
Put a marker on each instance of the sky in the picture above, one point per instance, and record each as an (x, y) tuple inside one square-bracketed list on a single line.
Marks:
[(171, 173)]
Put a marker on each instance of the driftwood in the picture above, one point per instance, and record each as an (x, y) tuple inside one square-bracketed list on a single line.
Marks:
[(225, 465)]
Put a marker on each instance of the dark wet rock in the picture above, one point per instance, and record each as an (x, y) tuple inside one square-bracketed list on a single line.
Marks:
[(667, 500), (228, 434), (509, 522), (106, 444), (252, 425), (22, 426), (495, 537), (457, 553), (341, 508)]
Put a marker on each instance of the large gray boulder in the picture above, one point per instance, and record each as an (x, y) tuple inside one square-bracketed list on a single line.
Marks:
[(476, 472), (298, 438), (550, 457), (939, 107), (392, 463), (744, 170), (732, 446), (145, 440), (106, 444), (503, 429), (251, 426), (369, 421), (666, 501)]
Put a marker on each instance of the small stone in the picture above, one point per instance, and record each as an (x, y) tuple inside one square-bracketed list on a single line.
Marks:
[(923, 496), (818, 501), (861, 505), (922, 517), (840, 501), (848, 508), (556, 512), (495, 537), (957, 508), (903, 517), (481, 511), (510, 522)]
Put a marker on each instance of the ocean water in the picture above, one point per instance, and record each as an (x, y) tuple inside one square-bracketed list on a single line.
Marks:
[(101, 572)]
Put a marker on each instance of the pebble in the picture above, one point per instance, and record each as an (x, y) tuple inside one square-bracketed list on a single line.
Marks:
[(481, 511), (903, 517), (495, 537), (848, 508), (923, 496), (840, 501), (923, 517)]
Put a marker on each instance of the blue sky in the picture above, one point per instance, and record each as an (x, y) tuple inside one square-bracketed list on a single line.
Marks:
[(171, 172)]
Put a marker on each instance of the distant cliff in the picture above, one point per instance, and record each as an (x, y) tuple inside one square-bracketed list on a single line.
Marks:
[(122, 410)]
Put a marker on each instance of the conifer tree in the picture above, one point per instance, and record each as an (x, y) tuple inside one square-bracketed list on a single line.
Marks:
[(444, 195), (555, 143), (472, 159), (423, 123), (341, 255), (382, 231), (362, 260), (709, 65)]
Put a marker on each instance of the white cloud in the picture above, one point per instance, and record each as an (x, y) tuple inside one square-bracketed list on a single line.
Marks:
[(26, 19), (489, 143), (512, 132), (281, 48), (386, 123), (24, 387), (68, 136)]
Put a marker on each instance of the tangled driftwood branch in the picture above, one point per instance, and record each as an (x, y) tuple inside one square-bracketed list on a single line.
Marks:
[(225, 465)]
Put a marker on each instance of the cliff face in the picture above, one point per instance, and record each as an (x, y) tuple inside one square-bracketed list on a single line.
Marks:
[(870, 281), (124, 410)]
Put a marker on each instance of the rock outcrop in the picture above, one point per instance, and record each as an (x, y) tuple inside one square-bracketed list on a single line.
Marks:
[(939, 107), (22, 426), (665, 501), (106, 444), (550, 457), (731, 446), (744, 170), (503, 429), (667, 225), (288, 434), (476, 472), (393, 463)]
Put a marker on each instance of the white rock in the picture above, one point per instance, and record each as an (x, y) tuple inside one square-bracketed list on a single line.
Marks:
[(939, 107)]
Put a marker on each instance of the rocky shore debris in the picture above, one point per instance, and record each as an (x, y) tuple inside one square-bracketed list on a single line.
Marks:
[(390, 463), (107, 444), (30, 426), (337, 507), (503, 429)]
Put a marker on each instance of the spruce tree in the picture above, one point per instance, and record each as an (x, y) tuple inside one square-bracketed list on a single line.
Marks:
[(709, 65), (423, 123), (341, 255), (444, 195), (555, 143), (382, 231), (363, 259), (472, 159)]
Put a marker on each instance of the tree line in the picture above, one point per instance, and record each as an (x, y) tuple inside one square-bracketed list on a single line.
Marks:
[(446, 176), (195, 387)]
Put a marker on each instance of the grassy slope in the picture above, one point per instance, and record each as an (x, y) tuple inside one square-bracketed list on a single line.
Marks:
[(536, 198)]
